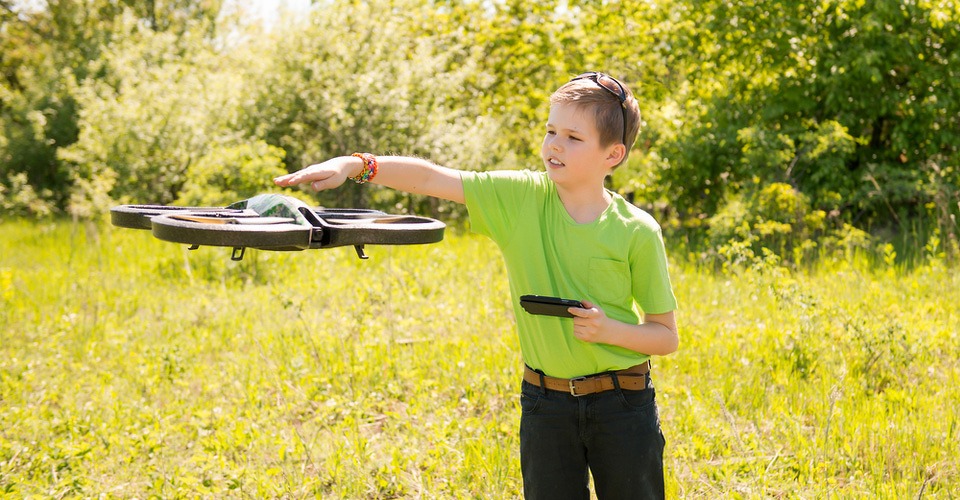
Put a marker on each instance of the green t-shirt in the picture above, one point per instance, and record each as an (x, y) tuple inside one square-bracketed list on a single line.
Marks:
[(617, 262)]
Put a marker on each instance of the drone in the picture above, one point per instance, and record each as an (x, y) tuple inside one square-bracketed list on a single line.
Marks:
[(278, 223)]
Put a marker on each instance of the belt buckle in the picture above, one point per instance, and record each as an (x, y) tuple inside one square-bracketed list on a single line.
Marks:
[(573, 388)]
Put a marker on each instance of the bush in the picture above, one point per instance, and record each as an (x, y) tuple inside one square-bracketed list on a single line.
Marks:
[(775, 217), (19, 198), (162, 103), (343, 85), (778, 220), (232, 173)]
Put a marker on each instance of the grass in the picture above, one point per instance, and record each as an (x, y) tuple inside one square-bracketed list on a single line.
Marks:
[(131, 367)]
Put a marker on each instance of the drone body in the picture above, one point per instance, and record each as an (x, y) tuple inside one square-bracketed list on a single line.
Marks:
[(277, 222)]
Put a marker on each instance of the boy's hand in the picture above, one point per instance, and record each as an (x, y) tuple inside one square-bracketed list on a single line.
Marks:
[(327, 175), (588, 323), (657, 335)]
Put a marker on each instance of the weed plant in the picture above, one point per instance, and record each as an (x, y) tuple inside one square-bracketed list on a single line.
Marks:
[(133, 368)]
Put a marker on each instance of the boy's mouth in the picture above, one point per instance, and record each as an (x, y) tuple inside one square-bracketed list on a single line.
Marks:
[(553, 162)]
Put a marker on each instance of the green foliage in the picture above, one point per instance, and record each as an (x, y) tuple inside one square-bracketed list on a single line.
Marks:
[(942, 188), (512, 39), (37, 115), (775, 221), (18, 198), (776, 217), (46, 52), (529, 48), (162, 105), (345, 84), (847, 101), (133, 367), (229, 174)]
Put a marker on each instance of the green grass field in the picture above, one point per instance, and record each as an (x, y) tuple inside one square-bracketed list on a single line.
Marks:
[(134, 368)]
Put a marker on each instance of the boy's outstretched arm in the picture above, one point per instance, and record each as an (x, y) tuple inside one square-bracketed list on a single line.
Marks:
[(412, 175)]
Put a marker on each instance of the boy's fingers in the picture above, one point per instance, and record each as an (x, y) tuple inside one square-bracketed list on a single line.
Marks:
[(295, 178), (287, 180), (589, 310), (581, 312)]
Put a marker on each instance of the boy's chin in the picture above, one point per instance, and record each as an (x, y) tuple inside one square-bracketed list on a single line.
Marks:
[(557, 175)]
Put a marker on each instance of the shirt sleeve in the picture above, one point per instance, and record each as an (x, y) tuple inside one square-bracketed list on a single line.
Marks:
[(652, 288), (495, 199)]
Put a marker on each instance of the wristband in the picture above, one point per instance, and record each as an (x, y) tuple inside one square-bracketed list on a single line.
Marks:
[(370, 168)]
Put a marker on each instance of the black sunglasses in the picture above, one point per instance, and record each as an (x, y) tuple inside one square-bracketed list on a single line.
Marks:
[(610, 84)]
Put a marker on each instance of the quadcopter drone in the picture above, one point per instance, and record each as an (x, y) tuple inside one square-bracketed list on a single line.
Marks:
[(277, 222)]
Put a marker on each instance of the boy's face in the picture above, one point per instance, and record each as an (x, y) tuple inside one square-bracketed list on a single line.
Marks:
[(571, 149)]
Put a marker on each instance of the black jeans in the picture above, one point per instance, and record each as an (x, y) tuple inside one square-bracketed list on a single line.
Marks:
[(615, 433)]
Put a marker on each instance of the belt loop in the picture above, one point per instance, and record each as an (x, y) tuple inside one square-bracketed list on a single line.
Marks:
[(616, 381), (543, 383)]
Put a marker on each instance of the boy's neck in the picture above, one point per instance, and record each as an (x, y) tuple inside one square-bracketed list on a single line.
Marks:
[(584, 204)]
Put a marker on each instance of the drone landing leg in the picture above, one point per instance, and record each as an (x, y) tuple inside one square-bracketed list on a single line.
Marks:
[(359, 249)]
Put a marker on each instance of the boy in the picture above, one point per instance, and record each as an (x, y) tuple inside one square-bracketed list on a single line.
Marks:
[(586, 397)]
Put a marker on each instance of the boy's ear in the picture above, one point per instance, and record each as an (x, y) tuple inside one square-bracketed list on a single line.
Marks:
[(616, 154)]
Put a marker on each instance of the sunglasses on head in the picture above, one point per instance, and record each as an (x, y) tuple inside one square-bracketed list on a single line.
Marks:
[(610, 84)]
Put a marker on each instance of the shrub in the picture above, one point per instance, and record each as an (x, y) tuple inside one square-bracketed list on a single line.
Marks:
[(775, 217), (163, 102), (19, 198), (231, 173)]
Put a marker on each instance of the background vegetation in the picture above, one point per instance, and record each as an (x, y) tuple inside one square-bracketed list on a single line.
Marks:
[(849, 110)]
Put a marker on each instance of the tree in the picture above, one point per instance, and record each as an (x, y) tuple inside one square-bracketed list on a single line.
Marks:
[(343, 84), (163, 102), (46, 55), (853, 103)]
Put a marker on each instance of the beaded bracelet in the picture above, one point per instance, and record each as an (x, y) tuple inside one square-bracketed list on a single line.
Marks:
[(369, 168)]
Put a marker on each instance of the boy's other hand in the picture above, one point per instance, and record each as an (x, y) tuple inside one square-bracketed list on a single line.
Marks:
[(588, 322), (657, 335), (327, 175)]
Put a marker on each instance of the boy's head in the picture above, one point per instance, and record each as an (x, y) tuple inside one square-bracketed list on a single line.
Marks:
[(615, 110)]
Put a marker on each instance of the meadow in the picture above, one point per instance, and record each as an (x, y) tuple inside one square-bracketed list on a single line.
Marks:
[(135, 368)]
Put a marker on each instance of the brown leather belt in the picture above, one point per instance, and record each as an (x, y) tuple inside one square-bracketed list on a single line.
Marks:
[(635, 378)]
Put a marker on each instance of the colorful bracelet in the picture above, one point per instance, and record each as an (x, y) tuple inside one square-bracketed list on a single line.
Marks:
[(370, 168)]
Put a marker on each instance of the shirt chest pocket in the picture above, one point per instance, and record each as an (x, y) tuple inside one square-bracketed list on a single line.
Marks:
[(609, 279)]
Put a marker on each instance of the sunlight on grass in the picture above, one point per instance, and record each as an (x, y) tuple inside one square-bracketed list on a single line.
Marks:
[(133, 367)]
